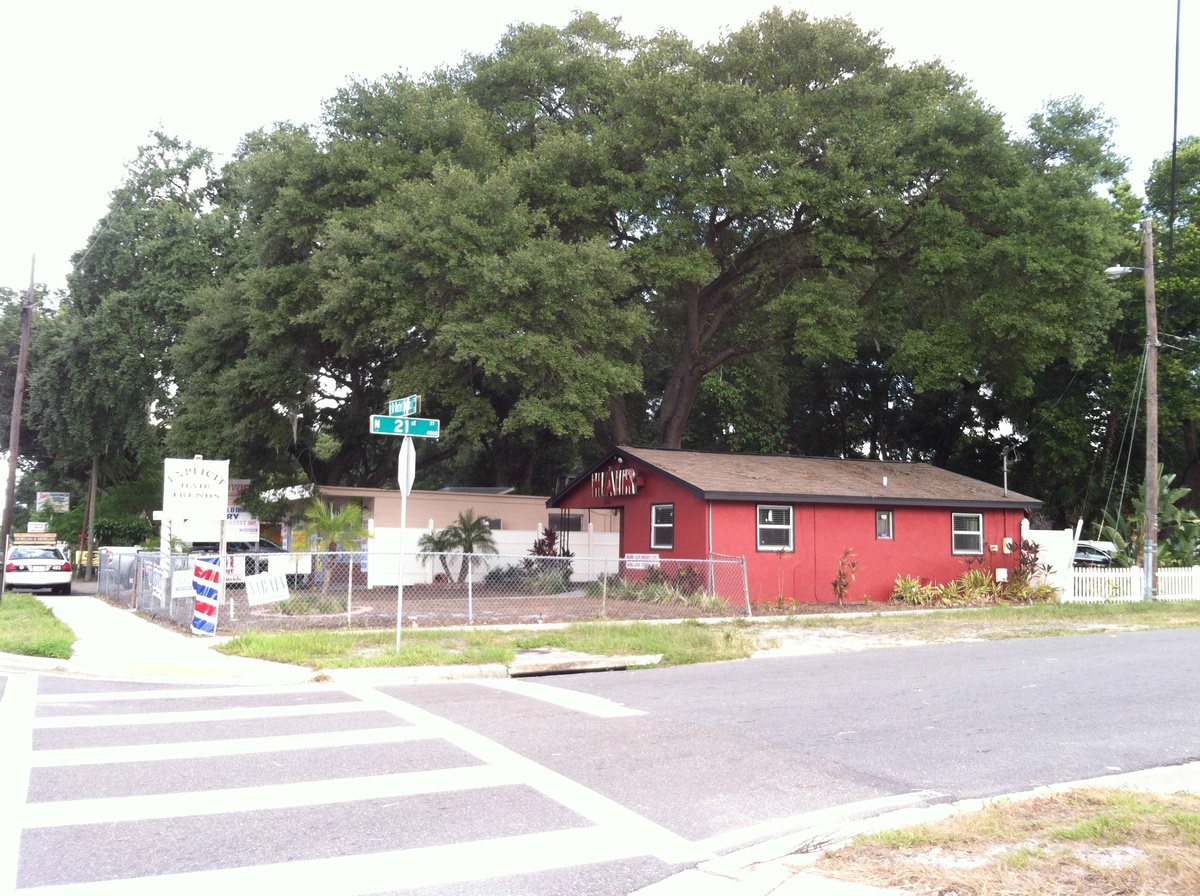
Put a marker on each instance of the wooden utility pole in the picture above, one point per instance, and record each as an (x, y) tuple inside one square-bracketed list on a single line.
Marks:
[(14, 432), (1150, 538)]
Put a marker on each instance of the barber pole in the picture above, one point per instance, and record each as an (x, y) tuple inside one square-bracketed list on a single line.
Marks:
[(206, 582)]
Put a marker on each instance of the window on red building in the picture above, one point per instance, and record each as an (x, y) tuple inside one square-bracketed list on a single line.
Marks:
[(885, 523), (774, 527), (662, 526), (967, 530)]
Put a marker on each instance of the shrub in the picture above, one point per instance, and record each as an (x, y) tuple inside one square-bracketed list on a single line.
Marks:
[(845, 575), (910, 590), (548, 581), (505, 575), (547, 555)]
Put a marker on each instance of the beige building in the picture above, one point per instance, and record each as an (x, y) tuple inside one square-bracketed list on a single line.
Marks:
[(517, 522)]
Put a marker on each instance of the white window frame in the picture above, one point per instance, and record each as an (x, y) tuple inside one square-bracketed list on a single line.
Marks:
[(762, 527), (889, 518), (657, 529), (957, 531)]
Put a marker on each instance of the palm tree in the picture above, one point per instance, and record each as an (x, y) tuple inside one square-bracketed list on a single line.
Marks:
[(440, 543), (330, 526), (469, 534)]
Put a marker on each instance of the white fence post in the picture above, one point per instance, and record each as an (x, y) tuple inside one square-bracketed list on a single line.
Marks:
[(349, 588), (470, 588)]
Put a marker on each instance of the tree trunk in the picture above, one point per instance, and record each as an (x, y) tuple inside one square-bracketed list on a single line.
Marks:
[(679, 395), (620, 430), (678, 399)]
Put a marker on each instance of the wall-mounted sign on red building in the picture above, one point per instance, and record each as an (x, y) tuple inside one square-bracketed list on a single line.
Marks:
[(615, 482)]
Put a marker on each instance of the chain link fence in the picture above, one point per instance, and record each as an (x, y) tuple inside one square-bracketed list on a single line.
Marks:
[(282, 591)]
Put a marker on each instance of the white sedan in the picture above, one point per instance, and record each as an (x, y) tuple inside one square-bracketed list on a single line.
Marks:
[(37, 566)]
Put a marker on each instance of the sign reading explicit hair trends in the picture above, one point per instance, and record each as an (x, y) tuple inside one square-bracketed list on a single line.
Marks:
[(195, 489)]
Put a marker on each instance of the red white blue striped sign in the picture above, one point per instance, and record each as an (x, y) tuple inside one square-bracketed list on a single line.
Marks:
[(206, 582)]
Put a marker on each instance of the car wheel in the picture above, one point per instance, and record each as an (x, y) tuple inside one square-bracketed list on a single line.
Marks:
[(63, 589)]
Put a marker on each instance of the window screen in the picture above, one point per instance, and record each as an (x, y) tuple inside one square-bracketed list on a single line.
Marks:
[(967, 532), (774, 528), (662, 526)]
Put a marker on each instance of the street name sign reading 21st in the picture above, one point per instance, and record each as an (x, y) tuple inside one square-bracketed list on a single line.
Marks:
[(418, 427)]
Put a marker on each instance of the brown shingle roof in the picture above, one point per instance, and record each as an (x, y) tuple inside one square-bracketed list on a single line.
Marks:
[(821, 479)]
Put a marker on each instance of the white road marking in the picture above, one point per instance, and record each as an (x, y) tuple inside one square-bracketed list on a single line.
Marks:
[(202, 749), (235, 713), (645, 837), (359, 875), (596, 706), (183, 693), (118, 809), (16, 747), (614, 833)]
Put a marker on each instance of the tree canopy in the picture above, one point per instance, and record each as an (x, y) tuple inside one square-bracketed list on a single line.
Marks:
[(781, 241)]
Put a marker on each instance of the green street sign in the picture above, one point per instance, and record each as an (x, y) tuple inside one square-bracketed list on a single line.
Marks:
[(418, 427), (404, 407)]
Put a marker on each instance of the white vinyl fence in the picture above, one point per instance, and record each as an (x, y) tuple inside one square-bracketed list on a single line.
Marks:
[(1097, 585)]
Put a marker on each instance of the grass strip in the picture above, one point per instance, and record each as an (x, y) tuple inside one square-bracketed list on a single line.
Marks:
[(29, 628), (679, 643)]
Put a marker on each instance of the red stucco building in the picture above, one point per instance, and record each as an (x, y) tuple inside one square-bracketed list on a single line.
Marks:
[(792, 518)]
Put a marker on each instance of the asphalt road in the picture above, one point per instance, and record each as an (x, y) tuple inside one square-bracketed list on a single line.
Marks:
[(588, 784)]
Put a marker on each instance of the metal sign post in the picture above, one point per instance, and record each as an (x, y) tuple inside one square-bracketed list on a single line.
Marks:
[(399, 421), (406, 471)]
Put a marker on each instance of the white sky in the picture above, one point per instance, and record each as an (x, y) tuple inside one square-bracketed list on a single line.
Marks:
[(85, 82)]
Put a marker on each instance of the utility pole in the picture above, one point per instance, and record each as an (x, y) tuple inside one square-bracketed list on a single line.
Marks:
[(1150, 538), (14, 432)]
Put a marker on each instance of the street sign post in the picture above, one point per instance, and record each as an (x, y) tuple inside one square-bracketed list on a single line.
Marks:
[(398, 421), (406, 471), (418, 427), (404, 407)]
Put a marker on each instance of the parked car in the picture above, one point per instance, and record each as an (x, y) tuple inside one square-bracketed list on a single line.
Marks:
[(1087, 555), (36, 566), (250, 558)]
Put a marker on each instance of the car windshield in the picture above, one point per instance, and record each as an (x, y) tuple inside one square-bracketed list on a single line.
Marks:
[(35, 554)]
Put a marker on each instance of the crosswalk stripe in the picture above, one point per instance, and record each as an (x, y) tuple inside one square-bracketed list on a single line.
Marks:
[(568, 699), (240, 746), (198, 715), (181, 693), (104, 810), (359, 875), (16, 709), (609, 814)]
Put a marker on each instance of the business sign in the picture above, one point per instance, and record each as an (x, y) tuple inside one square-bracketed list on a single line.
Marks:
[(641, 561), (418, 427), (206, 585), (614, 483), (34, 538), (266, 588), (57, 502), (35, 526), (195, 489), (241, 526)]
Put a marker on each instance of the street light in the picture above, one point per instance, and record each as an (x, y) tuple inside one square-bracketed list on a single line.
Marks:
[(1150, 536)]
